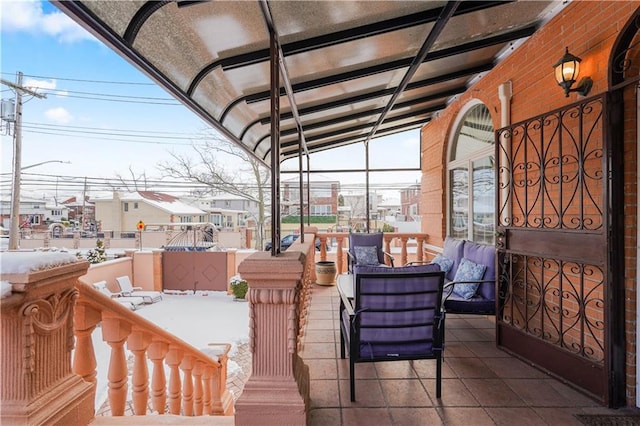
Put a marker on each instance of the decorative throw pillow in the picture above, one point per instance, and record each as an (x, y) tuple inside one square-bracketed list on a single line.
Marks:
[(445, 263), (366, 255), (468, 271)]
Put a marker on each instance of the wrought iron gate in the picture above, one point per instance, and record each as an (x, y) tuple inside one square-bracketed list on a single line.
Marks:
[(553, 182)]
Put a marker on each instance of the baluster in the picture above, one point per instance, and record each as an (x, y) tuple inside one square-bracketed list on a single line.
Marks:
[(198, 370), (187, 390), (221, 399), (208, 373), (85, 320), (323, 247), (403, 250), (387, 246), (339, 254), (157, 351), (138, 342), (115, 331), (173, 359), (420, 248)]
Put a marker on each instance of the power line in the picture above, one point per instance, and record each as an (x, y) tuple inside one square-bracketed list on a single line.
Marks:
[(64, 132), (109, 139), (64, 126), (65, 92), (93, 98), (86, 81)]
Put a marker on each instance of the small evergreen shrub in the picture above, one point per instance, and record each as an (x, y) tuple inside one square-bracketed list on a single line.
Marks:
[(239, 286)]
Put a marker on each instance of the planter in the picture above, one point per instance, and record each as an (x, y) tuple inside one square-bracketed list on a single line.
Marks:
[(326, 272)]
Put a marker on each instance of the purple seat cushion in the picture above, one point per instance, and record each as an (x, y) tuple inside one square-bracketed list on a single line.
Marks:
[(476, 305)]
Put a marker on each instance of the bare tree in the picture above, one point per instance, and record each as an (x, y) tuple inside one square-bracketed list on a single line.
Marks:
[(223, 167), (134, 184)]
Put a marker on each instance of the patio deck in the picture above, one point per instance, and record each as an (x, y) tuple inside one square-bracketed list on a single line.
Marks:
[(481, 385)]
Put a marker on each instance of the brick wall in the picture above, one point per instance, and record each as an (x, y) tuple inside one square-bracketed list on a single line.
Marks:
[(589, 29)]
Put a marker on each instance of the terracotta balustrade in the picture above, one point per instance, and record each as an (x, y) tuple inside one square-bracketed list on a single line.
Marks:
[(38, 385), (342, 246), (197, 382)]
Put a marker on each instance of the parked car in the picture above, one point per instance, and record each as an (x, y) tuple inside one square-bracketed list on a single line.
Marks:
[(286, 241)]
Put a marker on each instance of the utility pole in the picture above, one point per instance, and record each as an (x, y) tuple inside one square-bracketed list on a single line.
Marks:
[(17, 158)]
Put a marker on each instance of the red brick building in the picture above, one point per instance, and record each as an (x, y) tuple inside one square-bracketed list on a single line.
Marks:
[(562, 186)]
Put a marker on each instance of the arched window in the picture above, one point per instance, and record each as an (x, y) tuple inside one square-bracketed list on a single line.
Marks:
[(471, 212)]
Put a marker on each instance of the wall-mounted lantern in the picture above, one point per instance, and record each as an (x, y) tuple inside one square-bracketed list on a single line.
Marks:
[(567, 71)]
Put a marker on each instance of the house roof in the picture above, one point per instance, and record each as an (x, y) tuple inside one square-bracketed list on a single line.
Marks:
[(165, 202), (351, 70)]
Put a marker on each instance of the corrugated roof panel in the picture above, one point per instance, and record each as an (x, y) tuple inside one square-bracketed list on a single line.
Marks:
[(344, 59)]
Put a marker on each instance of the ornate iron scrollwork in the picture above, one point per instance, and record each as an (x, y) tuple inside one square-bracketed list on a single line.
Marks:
[(622, 63)]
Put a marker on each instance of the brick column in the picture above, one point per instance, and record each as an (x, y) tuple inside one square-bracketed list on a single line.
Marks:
[(38, 385), (277, 392)]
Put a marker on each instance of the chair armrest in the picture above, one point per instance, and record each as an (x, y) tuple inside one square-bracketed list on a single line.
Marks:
[(351, 260), (418, 262), (348, 303), (136, 288), (391, 258)]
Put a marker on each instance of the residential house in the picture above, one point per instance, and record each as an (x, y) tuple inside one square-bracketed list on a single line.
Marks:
[(227, 212), (410, 203), (323, 196), (35, 213), (81, 211), (123, 211)]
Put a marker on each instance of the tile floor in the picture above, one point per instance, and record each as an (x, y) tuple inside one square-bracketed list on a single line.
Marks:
[(482, 385)]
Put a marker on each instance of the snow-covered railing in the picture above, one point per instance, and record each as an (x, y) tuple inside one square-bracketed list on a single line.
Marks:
[(200, 391)]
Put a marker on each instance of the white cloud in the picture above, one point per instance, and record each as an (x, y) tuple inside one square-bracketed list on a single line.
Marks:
[(34, 84), (59, 115), (28, 16)]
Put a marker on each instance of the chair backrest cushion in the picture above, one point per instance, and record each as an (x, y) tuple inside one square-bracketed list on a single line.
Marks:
[(366, 240), (485, 255), (397, 310), (453, 250)]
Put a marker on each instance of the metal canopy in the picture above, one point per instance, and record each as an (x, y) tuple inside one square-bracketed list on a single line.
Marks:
[(348, 63)]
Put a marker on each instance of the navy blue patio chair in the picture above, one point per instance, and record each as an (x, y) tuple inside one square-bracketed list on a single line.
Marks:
[(392, 314), (367, 250)]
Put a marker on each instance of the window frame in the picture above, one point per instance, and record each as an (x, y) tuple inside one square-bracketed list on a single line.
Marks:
[(467, 163)]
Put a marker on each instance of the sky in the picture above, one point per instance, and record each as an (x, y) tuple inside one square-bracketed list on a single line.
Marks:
[(103, 118)]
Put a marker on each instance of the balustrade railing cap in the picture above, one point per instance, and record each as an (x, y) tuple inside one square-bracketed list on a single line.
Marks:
[(263, 270), (25, 269)]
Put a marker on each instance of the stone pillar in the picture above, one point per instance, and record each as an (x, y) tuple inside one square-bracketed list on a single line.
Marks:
[(231, 267), (157, 269), (277, 392), (38, 385)]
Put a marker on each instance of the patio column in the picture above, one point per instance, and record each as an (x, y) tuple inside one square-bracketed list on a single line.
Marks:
[(37, 382), (277, 392)]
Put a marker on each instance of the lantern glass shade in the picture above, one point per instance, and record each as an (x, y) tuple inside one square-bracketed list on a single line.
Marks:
[(568, 71)]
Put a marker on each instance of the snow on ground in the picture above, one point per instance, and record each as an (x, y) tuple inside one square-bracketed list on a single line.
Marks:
[(198, 319)]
